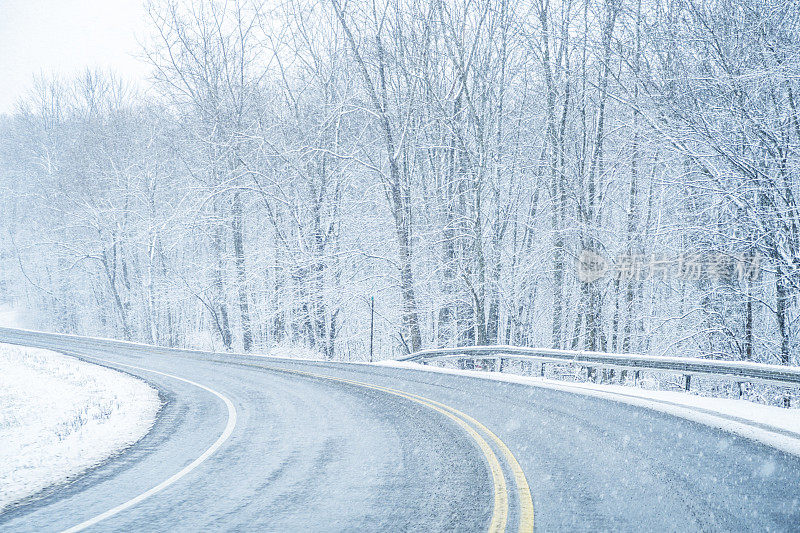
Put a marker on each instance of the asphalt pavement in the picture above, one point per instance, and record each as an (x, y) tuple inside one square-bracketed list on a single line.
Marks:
[(267, 444)]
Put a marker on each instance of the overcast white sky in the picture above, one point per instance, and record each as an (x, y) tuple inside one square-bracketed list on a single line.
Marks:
[(64, 37)]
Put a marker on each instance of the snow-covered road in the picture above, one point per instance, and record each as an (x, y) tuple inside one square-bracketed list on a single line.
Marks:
[(326, 446)]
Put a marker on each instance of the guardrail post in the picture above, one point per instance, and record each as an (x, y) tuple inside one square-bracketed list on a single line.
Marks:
[(636, 377), (688, 378), (739, 389), (541, 369), (787, 400)]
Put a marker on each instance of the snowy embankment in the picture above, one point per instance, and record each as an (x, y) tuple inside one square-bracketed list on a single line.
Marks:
[(60, 416), (770, 425)]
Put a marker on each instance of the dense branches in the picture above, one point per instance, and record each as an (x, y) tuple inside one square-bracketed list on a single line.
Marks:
[(453, 159)]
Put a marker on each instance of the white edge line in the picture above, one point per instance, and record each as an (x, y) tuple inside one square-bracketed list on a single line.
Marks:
[(175, 477), (778, 441)]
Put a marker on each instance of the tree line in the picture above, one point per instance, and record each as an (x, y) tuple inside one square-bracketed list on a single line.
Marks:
[(452, 159)]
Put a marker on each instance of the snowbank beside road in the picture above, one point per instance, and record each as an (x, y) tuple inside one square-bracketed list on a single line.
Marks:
[(770, 425), (60, 416)]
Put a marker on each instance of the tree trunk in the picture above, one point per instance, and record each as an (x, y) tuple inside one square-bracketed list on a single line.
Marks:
[(241, 273)]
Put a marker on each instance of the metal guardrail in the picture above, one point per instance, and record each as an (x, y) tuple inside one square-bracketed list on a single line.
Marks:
[(739, 371)]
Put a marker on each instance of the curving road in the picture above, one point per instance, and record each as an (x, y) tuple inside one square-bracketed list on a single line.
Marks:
[(255, 443)]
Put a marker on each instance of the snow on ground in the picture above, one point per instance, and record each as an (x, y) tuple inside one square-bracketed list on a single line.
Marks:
[(60, 416), (207, 342), (770, 425), (294, 351), (12, 316)]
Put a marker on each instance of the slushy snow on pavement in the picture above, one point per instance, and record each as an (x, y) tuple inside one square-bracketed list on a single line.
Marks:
[(770, 425)]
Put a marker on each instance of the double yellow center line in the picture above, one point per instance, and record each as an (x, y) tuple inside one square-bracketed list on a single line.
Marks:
[(474, 430)]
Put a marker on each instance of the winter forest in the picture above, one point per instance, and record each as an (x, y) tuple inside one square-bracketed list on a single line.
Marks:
[(451, 160)]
